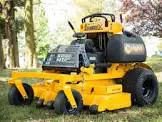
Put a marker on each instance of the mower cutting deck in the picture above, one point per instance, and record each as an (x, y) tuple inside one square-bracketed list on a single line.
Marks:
[(102, 68)]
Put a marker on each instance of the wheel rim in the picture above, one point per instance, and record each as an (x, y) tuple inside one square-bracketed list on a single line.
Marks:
[(148, 88)]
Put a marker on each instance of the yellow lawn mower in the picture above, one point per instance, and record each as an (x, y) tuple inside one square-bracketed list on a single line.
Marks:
[(102, 68)]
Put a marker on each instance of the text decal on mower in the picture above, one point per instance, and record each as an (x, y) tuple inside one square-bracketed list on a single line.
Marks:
[(93, 27), (64, 57), (61, 60), (133, 48)]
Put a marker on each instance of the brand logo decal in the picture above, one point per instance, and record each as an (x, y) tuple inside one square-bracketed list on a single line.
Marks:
[(134, 49), (93, 27)]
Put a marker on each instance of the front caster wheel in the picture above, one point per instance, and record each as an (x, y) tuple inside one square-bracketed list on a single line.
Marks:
[(62, 105), (50, 105), (15, 98), (40, 103), (93, 109)]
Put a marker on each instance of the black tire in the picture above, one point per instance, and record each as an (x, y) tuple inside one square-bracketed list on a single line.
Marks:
[(62, 106), (143, 86), (93, 109), (40, 103), (15, 98)]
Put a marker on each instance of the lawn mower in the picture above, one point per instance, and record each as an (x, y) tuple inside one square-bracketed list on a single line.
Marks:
[(102, 69)]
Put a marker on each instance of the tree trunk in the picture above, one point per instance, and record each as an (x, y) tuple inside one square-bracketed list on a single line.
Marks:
[(30, 53), (10, 30), (2, 62)]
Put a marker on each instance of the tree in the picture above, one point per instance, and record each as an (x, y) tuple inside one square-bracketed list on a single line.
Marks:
[(42, 35), (2, 62), (8, 14), (30, 53), (145, 15)]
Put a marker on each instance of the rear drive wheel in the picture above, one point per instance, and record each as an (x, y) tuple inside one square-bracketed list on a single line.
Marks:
[(143, 86), (15, 98), (63, 106)]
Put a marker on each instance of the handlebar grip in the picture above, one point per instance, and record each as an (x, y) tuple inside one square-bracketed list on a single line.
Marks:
[(70, 25), (99, 14)]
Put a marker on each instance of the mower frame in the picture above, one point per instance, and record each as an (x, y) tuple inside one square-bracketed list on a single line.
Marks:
[(96, 89)]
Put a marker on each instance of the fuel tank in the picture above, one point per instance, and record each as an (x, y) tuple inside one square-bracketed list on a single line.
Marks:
[(122, 48)]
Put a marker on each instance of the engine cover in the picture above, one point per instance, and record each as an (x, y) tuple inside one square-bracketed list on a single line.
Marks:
[(122, 49)]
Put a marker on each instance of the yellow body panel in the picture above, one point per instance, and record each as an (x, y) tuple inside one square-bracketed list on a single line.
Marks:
[(95, 89), (108, 102)]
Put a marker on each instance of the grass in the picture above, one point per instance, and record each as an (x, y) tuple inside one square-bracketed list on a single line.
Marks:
[(155, 62), (31, 113)]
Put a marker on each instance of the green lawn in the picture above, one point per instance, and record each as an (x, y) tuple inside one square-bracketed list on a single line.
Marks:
[(31, 113), (155, 62)]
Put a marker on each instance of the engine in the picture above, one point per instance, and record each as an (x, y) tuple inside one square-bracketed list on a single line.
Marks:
[(101, 50)]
